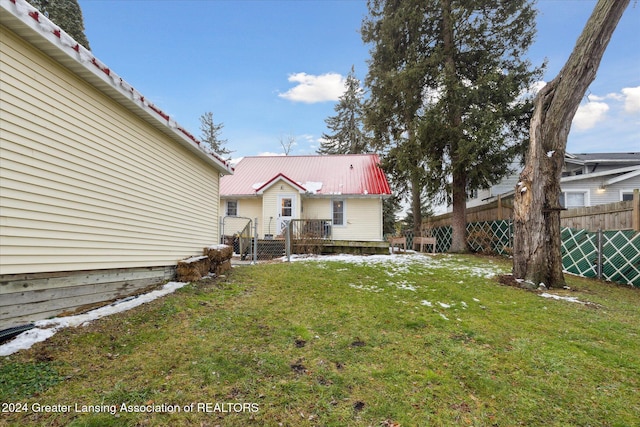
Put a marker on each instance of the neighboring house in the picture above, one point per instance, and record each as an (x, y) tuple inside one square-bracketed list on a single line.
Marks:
[(346, 189), (587, 180), (101, 193)]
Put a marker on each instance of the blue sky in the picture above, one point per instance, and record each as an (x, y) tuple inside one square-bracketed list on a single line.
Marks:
[(273, 69)]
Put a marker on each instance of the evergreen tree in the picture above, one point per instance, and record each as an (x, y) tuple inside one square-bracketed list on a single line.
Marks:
[(446, 79), (211, 134), (348, 136), (67, 14)]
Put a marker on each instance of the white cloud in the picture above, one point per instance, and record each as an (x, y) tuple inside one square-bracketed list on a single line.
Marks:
[(631, 99), (589, 114), (533, 89), (311, 89), (612, 95)]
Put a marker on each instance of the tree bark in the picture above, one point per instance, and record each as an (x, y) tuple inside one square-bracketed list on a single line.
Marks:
[(459, 185), (537, 255)]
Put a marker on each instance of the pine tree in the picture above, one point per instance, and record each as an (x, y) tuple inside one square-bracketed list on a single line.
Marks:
[(67, 14), (348, 136), (211, 134), (446, 79)]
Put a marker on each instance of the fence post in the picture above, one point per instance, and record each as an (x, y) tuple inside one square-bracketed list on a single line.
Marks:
[(636, 210), (255, 241), (287, 241), (599, 272)]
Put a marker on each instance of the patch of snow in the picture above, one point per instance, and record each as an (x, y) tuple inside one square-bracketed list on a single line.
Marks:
[(523, 190), (443, 305), (312, 187), (404, 286), (257, 185), (45, 329), (476, 300), (550, 153), (368, 288), (560, 297), (427, 303), (443, 316), (218, 247), (194, 259)]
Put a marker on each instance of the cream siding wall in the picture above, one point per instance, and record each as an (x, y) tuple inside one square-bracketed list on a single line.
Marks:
[(85, 183), (363, 217), (270, 208), (316, 208), (364, 220), (247, 208)]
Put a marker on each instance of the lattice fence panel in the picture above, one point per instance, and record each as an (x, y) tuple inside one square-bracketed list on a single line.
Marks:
[(579, 252), (443, 237), (621, 256), (490, 236), (620, 248)]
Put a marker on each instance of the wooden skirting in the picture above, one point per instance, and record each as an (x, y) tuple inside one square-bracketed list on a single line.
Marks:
[(25, 298), (355, 247)]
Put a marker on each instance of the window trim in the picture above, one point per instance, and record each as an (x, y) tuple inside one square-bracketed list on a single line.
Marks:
[(226, 206), (587, 197), (626, 191), (344, 212)]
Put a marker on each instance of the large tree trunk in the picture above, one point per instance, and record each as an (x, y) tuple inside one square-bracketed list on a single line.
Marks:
[(416, 204), (459, 213), (459, 185), (537, 248)]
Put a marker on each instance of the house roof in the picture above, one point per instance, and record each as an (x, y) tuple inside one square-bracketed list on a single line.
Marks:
[(604, 158), (32, 26), (350, 174)]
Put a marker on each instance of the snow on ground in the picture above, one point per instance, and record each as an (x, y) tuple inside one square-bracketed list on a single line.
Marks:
[(400, 264), (559, 297), (47, 328), (397, 265)]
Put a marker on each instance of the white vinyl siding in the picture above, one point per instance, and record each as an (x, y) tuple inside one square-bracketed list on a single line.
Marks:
[(85, 183)]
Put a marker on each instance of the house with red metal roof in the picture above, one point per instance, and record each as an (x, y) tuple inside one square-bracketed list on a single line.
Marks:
[(344, 191)]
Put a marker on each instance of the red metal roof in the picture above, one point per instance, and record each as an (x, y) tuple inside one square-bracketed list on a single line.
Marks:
[(349, 174)]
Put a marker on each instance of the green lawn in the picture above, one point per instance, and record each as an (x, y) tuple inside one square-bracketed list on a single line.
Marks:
[(408, 340)]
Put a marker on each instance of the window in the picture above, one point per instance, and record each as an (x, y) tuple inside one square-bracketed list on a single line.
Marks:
[(573, 199), (232, 208), (626, 196), (337, 208), (287, 207)]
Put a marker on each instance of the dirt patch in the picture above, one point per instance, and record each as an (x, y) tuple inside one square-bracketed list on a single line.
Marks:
[(358, 406)]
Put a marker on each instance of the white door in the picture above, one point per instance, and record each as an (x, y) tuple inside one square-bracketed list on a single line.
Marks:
[(286, 211)]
